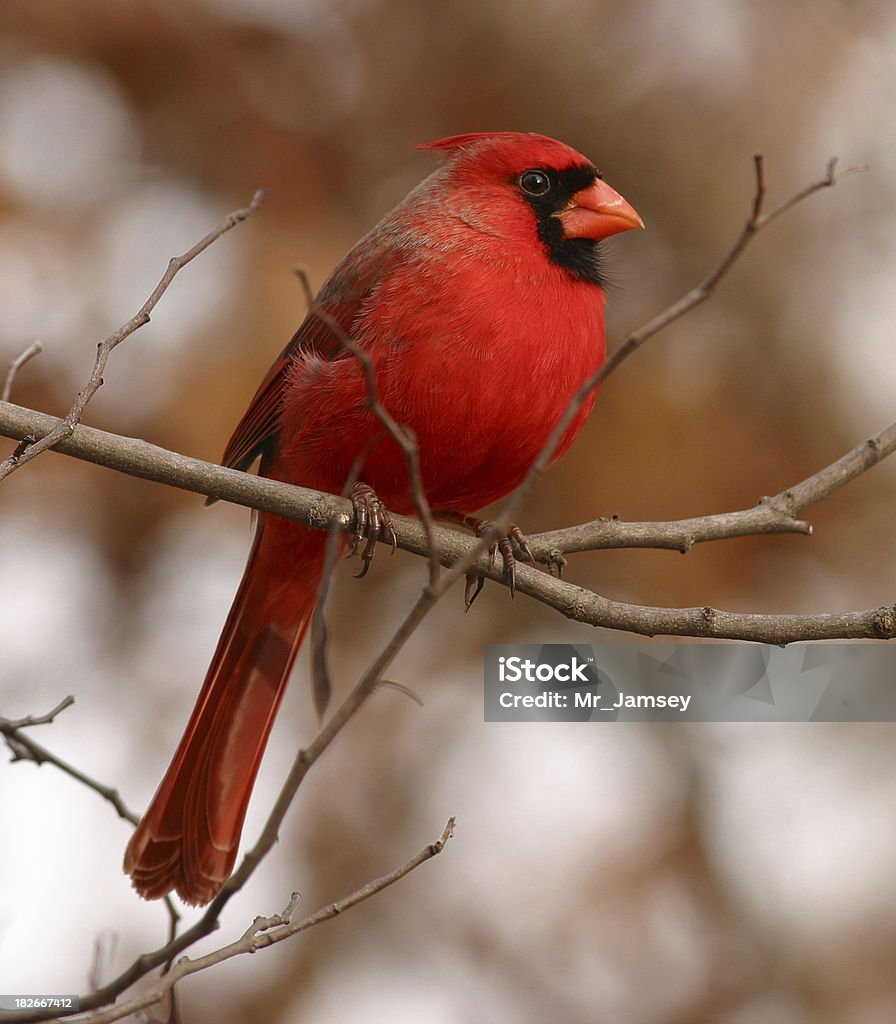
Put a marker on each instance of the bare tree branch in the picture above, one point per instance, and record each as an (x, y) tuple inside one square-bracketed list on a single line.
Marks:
[(755, 223), (14, 724), (24, 748), (776, 514), (64, 427), (323, 511), (319, 631), (472, 555), (585, 606), (35, 348), (262, 933)]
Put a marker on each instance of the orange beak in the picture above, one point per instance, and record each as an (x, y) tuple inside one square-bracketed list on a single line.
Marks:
[(597, 212)]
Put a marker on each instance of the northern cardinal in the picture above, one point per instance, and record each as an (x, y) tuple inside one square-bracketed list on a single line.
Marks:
[(479, 300)]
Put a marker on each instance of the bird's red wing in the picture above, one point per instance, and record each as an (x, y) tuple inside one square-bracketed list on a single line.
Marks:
[(261, 421)]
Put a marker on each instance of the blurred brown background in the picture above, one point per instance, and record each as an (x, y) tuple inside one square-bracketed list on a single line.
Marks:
[(628, 874)]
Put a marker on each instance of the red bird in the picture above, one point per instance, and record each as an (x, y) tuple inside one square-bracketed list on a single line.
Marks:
[(479, 300)]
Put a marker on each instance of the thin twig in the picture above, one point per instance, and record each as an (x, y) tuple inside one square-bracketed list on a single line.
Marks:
[(24, 748), (390, 684), (776, 514), (699, 294), (263, 932), (321, 684), (402, 434), (35, 348), (63, 428), (14, 724)]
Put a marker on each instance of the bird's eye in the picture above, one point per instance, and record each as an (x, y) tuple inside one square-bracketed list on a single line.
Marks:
[(535, 183)]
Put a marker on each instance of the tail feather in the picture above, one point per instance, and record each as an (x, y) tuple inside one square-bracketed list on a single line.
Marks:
[(188, 838)]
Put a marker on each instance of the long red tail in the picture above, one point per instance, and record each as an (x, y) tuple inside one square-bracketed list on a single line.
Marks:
[(187, 840)]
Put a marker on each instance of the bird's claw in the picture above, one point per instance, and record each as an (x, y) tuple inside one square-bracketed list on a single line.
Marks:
[(514, 535), (372, 523), (472, 585)]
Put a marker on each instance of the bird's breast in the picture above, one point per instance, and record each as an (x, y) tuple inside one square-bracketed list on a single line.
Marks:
[(480, 362)]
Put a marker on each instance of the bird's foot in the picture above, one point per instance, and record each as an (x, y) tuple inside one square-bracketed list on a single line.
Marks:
[(504, 545), (372, 523)]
